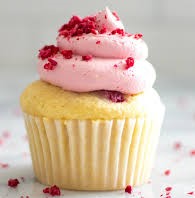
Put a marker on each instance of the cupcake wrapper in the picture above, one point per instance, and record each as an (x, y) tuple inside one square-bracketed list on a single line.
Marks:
[(93, 154)]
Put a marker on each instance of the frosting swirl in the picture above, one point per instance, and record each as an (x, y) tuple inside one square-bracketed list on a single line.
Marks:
[(96, 57), (112, 46)]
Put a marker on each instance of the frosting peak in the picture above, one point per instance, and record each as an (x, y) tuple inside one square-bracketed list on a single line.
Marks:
[(108, 20), (100, 52)]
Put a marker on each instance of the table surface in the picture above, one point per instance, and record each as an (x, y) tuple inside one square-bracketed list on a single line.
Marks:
[(179, 127)]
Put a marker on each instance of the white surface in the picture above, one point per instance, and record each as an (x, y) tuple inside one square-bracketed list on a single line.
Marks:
[(179, 126)]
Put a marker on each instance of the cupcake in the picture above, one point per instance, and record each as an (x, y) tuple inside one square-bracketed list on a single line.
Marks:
[(93, 119)]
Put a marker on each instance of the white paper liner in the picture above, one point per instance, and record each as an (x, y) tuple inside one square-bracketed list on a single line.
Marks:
[(93, 154)]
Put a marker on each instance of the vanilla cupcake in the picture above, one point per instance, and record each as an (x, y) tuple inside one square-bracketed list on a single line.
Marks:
[(93, 119)]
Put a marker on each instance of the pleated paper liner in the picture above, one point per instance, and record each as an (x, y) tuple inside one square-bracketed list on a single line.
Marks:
[(93, 154)]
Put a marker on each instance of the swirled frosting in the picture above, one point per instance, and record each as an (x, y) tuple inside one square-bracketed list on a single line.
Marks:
[(95, 53)]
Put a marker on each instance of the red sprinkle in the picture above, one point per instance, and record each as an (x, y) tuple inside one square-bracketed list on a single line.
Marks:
[(168, 188), (115, 65), (177, 145), (129, 62), (49, 66), (77, 27), (53, 62), (13, 183), (53, 190), (46, 190), (105, 16), (190, 193), (6, 134), (128, 189), (98, 42), (192, 152), (67, 54), (138, 36), (168, 196), (64, 33), (118, 31), (48, 51), (114, 96), (167, 172), (71, 24), (103, 30), (93, 31), (3, 165), (116, 15), (87, 57)]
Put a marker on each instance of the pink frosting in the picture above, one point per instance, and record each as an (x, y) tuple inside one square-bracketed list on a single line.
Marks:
[(99, 74), (112, 46), (107, 69)]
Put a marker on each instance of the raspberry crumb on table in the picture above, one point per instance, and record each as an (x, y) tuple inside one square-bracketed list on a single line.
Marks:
[(192, 152), (167, 172), (13, 183), (190, 193), (53, 190), (128, 189), (168, 188), (177, 145), (4, 165)]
